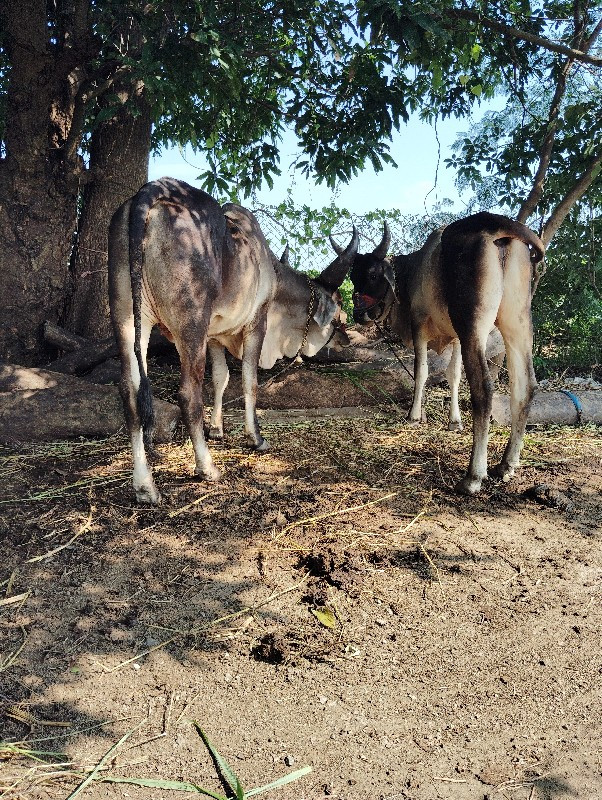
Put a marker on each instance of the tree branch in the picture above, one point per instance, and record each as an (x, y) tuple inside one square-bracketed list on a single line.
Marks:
[(576, 193), (82, 102), (595, 33), (545, 154), (525, 36)]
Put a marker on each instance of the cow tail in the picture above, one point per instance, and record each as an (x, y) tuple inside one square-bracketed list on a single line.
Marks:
[(528, 237), (538, 248), (139, 210)]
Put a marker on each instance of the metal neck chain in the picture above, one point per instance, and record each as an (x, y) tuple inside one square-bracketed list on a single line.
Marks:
[(389, 344), (310, 311)]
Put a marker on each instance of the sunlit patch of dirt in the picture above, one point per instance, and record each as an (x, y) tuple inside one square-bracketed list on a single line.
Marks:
[(332, 602)]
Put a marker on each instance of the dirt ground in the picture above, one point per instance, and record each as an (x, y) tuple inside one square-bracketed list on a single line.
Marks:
[(332, 603)]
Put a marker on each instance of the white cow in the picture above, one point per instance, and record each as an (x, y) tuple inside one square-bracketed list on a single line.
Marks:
[(467, 278)]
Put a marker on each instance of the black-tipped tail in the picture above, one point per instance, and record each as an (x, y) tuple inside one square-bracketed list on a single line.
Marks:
[(146, 410)]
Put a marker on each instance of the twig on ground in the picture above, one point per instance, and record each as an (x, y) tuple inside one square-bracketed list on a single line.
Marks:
[(82, 529), (13, 656), (309, 520), (16, 598)]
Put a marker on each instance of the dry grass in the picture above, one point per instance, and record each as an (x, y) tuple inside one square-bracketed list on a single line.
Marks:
[(365, 485)]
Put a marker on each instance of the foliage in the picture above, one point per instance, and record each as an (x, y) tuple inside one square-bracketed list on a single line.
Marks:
[(497, 158), (567, 308), (228, 77)]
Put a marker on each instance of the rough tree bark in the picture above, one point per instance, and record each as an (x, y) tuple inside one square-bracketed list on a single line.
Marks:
[(38, 180), (119, 156)]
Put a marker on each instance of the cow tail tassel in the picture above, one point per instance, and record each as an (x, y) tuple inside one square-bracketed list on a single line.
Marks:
[(146, 410)]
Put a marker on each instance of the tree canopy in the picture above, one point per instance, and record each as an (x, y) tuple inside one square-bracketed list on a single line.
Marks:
[(228, 77)]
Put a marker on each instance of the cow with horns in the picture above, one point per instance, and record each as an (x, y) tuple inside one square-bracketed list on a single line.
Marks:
[(207, 277), (468, 277)]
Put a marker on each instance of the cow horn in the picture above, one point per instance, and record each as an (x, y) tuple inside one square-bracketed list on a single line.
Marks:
[(334, 274), (284, 257), (383, 248), (336, 247)]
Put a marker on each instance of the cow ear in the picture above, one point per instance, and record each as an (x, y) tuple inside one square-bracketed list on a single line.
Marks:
[(326, 309), (389, 274)]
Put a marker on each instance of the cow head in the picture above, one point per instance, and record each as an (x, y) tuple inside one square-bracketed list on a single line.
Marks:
[(305, 313), (327, 317), (373, 281)]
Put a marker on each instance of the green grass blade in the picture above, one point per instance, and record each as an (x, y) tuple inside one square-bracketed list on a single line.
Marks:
[(226, 770), (92, 776), (292, 776), (152, 783)]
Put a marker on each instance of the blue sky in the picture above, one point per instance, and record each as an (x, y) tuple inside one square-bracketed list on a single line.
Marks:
[(408, 187)]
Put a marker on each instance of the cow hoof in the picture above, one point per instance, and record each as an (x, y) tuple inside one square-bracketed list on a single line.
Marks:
[(502, 472), (216, 433), (468, 486), (414, 423), (148, 496), (455, 426), (262, 447), (211, 474)]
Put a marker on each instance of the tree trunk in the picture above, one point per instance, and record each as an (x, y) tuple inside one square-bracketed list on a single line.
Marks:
[(38, 405), (119, 156), (35, 239), (38, 185)]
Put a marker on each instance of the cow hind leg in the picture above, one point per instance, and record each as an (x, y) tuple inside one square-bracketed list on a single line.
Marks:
[(518, 339), (193, 360), (220, 376), (481, 395), (144, 485), (420, 341), (453, 374)]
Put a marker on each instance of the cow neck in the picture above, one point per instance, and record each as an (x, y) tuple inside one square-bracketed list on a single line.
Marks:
[(310, 312)]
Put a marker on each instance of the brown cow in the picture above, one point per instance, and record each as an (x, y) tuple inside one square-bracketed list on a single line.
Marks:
[(467, 278), (207, 276)]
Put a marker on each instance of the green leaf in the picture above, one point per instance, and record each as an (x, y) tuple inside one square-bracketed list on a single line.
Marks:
[(292, 776), (477, 90), (325, 616), (104, 115), (155, 783), (228, 773)]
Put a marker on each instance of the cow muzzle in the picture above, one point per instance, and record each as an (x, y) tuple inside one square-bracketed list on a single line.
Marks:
[(366, 308)]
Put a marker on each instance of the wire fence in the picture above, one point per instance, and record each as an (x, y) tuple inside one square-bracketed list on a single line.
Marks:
[(306, 232)]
